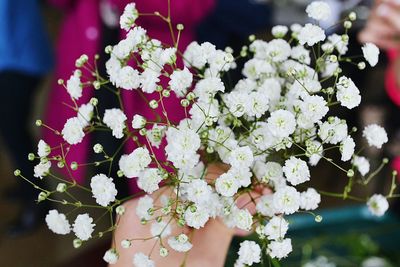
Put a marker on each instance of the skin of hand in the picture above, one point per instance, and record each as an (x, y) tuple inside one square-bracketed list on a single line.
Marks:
[(210, 243), (383, 25), (383, 29)]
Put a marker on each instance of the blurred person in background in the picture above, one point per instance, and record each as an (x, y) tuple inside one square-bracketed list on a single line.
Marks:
[(90, 25), (25, 58), (383, 29)]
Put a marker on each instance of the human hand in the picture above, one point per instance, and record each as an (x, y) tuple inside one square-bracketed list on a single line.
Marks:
[(210, 243), (383, 25)]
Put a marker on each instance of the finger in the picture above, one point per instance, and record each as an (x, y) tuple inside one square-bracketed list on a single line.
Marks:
[(390, 14)]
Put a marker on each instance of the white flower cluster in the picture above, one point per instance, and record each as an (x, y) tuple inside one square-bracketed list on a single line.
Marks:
[(262, 134)]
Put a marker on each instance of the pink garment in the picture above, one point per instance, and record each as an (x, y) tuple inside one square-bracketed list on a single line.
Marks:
[(80, 34), (393, 90)]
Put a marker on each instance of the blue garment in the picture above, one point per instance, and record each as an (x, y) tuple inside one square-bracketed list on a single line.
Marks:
[(233, 21), (24, 43)]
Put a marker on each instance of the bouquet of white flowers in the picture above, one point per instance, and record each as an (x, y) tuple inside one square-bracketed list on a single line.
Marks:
[(263, 134)]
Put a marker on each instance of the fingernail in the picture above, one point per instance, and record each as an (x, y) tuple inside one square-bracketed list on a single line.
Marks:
[(382, 10)]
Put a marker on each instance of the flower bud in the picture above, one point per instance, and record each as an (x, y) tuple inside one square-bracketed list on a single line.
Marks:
[(17, 172), (347, 24), (166, 93), (163, 252), (361, 65), (42, 196), (96, 85), (98, 148), (126, 243), (185, 103), (60, 164), (352, 16), (153, 104), (180, 27), (94, 101), (190, 96), (38, 122), (120, 210), (74, 165), (31, 156), (61, 187), (318, 218), (77, 243)]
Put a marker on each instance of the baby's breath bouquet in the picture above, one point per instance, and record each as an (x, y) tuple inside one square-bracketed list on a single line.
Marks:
[(262, 134)]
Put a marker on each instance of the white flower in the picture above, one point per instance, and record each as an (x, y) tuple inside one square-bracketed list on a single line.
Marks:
[(266, 206), (156, 134), (311, 34), (149, 179), (281, 123), (141, 260), (377, 205), (73, 131), (134, 163), (148, 80), (315, 151), (42, 169), (347, 148), (161, 229), (371, 53), (280, 249), (58, 223), (249, 253), (168, 56), (278, 50), (333, 131), (206, 88), (279, 31), (43, 149), (241, 157), (227, 185), (198, 191), (83, 226), (85, 114), (310, 199), (128, 78), (362, 164), (180, 243), (296, 171), (111, 256), (144, 205), (129, 16), (115, 119), (194, 55), (182, 148), (103, 189), (270, 171), (318, 10), (196, 218), (138, 121), (375, 262), (347, 93), (74, 85), (314, 107), (375, 135), (286, 200), (339, 43), (243, 219), (180, 81), (276, 228), (301, 54)]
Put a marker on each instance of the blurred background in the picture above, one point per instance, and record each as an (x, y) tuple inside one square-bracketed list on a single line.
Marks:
[(39, 42)]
